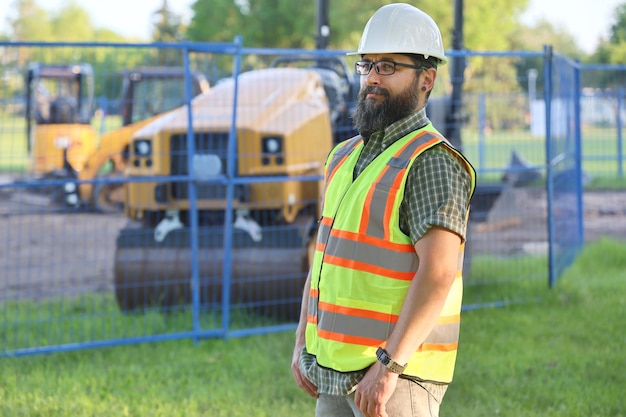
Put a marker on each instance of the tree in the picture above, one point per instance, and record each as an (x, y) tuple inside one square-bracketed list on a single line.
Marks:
[(613, 51), (287, 23), (31, 23), (168, 26), (261, 23), (214, 21), (72, 24)]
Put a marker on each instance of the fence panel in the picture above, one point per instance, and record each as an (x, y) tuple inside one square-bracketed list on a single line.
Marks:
[(219, 206)]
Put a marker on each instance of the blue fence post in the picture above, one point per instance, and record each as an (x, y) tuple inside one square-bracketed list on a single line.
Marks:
[(578, 160), (193, 203), (482, 111), (620, 139), (231, 160), (547, 95)]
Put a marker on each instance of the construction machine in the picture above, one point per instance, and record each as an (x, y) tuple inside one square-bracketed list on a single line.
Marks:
[(147, 92), (59, 108), (257, 191), (62, 142)]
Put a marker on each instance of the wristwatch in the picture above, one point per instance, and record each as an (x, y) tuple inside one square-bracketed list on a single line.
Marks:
[(389, 363)]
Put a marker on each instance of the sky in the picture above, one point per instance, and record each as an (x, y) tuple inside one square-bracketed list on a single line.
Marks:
[(586, 21)]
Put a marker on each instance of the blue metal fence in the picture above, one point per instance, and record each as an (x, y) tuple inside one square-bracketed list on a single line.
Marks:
[(563, 150), (73, 276)]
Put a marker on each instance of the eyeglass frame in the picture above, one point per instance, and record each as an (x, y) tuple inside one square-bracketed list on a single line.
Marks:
[(374, 64)]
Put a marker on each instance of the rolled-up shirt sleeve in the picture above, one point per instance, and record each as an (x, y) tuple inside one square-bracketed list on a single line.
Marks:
[(437, 193)]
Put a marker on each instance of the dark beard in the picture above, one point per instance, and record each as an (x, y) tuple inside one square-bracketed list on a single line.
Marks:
[(370, 116)]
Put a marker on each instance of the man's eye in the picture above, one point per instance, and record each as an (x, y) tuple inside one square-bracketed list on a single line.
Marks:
[(386, 66)]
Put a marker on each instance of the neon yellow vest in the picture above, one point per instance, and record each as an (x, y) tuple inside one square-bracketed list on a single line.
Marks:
[(363, 263)]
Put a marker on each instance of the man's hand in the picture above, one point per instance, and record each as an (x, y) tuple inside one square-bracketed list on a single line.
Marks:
[(375, 390), (302, 382)]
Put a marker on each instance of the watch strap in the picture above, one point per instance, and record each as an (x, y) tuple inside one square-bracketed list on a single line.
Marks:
[(385, 359)]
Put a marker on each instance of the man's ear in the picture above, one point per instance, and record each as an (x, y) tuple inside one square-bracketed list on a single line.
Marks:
[(428, 79)]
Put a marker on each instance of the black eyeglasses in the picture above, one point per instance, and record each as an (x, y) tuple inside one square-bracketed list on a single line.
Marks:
[(382, 67)]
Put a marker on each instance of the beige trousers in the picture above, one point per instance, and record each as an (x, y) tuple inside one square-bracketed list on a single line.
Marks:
[(410, 399)]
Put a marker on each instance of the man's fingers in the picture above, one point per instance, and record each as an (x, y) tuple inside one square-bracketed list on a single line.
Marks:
[(305, 384)]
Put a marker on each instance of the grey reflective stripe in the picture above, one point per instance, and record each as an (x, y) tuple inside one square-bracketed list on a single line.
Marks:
[(354, 326), (460, 259), (323, 232), (346, 149), (312, 306), (369, 328), (338, 157), (395, 166), (366, 253), (444, 333)]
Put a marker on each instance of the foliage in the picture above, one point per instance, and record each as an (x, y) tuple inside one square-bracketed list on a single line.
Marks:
[(70, 23), (613, 50), (32, 22), (487, 24), (492, 25), (288, 24)]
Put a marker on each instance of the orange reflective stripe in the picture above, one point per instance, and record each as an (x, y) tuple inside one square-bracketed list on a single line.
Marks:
[(392, 197), (341, 155), (338, 158), (365, 219), (355, 340), (326, 221), (361, 266), (358, 312), (438, 347), (449, 319), (366, 211), (390, 179)]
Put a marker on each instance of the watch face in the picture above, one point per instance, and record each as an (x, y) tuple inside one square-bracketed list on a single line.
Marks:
[(388, 362), (382, 356)]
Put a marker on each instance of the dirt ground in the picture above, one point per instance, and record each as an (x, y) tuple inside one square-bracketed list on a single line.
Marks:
[(46, 252), (517, 223)]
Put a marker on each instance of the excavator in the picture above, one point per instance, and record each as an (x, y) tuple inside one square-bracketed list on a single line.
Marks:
[(62, 141), (285, 126), (59, 103)]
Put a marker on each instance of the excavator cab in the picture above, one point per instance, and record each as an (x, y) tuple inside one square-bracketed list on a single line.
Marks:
[(59, 108), (149, 91)]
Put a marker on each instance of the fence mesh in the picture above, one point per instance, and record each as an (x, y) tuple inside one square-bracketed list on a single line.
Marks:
[(150, 222)]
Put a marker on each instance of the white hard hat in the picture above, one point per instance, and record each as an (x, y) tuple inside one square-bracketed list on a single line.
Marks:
[(403, 29)]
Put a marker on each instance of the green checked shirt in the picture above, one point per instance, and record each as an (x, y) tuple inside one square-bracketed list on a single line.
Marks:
[(437, 193)]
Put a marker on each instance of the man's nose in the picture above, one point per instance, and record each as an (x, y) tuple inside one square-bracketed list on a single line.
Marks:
[(373, 78)]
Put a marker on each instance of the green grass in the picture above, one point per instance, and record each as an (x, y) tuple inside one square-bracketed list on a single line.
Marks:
[(560, 356), (13, 145)]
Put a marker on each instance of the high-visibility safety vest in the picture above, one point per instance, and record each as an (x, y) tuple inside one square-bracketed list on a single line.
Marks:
[(363, 263)]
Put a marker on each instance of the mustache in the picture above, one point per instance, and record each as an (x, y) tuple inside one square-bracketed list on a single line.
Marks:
[(373, 90)]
